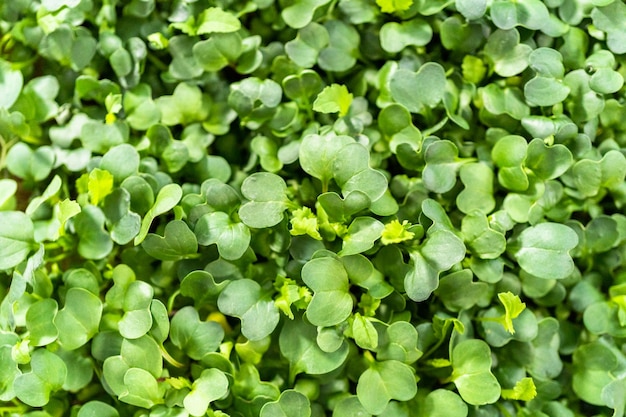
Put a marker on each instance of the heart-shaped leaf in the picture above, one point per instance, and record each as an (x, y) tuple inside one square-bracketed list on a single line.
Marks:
[(544, 250), (212, 385), (268, 200), (258, 314), (11, 83), (290, 404), (383, 382), (79, 319), (471, 372), (439, 253), (232, 238), (16, 238), (195, 337), (177, 242), (509, 56), (327, 292), (298, 344), (361, 235), (394, 37), (47, 375), (430, 80)]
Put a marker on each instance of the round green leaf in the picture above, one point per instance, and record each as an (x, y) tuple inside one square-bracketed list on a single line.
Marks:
[(327, 292), (544, 250), (16, 238), (212, 385), (290, 404), (443, 403), (97, 408), (47, 375), (232, 238), (394, 37), (298, 344), (243, 298), (544, 91), (197, 338), (178, 242), (39, 322), (430, 80), (122, 161), (383, 382), (471, 372), (79, 319)]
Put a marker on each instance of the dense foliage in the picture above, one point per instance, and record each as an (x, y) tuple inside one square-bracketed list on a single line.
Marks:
[(312, 207)]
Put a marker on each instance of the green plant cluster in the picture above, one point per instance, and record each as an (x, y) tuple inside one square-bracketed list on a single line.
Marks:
[(310, 208)]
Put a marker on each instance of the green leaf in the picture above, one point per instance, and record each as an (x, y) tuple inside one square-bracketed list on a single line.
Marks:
[(216, 20), (399, 342), (524, 390), (430, 80), (317, 154), (195, 337), (11, 83), (166, 199), (79, 319), (471, 9), (513, 307), (532, 14), (442, 164), (508, 55), (95, 408), (385, 381), (268, 200), (544, 91), (31, 165), (352, 172), (478, 192), (137, 318), (232, 238), (471, 364), (300, 13), (17, 237), (548, 162), (141, 388), (298, 344), (212, 385), (290, 404), (121, 161), (343, 47), (94, 241), (177, 242), (544, 250), (364, 332), (40, 322), (327, 292), (394, 37), (47, 375), (305, 49), (483, 241), (361, 235), (334, 98), (442, 403), (391, 6), (439, 253), (509, 153), (258, 314)]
